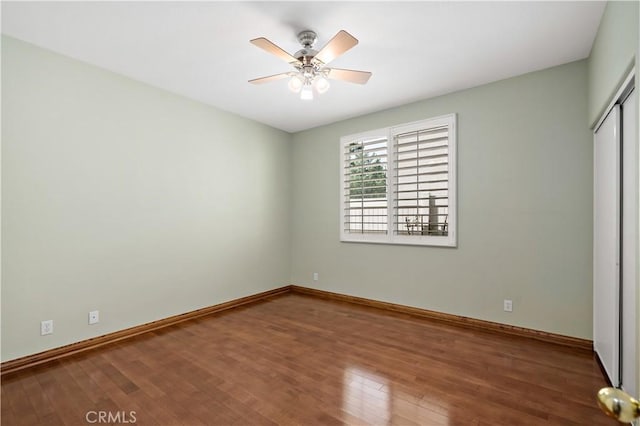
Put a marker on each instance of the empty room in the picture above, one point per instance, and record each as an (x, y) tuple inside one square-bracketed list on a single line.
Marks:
[(320, 213)]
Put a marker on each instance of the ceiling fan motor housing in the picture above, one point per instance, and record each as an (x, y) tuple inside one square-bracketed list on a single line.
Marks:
[(305, 55)]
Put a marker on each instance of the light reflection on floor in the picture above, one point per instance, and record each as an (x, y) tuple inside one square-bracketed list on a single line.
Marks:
[(369, 398)]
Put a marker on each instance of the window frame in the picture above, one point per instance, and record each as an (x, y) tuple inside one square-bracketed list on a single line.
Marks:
[(391, 237)]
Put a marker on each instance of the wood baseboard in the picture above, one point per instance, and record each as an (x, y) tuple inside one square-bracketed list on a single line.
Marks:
[(85, 345), (559, 339)]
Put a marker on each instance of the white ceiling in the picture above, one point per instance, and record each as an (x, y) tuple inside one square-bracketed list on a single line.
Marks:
[(415, 50)]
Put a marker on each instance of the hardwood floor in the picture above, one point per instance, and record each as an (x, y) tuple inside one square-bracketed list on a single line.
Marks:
[(296, 359)]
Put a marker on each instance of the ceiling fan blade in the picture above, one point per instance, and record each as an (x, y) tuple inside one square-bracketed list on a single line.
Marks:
[(270, 47), (352, 76), (269, 78), (339, 44)]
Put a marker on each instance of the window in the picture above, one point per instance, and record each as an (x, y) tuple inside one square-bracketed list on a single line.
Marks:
[(398, 184)]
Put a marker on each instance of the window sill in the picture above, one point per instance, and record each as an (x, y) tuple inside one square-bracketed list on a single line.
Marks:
[(423, 242)]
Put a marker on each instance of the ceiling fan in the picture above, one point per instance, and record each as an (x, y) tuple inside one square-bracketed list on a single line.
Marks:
[(310, 65)]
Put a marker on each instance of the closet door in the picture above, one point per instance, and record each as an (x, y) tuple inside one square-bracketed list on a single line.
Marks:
[(606, 244), (629, 243)]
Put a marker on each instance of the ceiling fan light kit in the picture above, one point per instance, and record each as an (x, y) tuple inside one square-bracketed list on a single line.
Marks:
[(311, 71)]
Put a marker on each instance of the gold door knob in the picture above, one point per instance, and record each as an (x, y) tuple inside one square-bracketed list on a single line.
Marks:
[(618, 404)]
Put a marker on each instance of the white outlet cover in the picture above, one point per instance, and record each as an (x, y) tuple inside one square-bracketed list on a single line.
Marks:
[(315, 276), (508, 305), (94, 317), (46, 327)]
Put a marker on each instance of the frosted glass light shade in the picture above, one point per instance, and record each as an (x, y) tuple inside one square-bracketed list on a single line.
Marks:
[(322, 85), (306, 93), (295, 84)]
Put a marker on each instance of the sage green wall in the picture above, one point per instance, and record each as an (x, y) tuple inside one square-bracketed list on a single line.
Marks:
[(127, 199), (524, 205), (612, 55)]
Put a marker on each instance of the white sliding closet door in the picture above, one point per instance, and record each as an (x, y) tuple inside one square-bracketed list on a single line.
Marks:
[(629, 243), (606, 244)]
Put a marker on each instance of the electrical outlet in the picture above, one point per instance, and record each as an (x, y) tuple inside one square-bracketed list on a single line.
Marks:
[(94, 317), (315, 276), (508, 305), (46, 327)]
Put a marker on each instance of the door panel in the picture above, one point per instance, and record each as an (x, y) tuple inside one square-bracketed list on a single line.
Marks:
[(629, 243), (606, 244)]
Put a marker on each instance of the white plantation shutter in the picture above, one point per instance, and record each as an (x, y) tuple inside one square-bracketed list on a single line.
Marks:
[(398, 185), (421, 184), (365, 186)]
